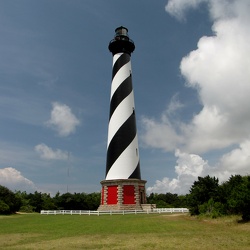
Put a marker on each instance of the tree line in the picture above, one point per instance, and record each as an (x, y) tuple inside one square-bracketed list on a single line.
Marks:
[(11, 202), (206, 197)]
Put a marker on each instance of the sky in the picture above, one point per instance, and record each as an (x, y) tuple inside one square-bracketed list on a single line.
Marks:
[(191, 79)]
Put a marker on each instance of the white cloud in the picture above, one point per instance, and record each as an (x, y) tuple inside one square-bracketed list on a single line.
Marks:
[(162, 134), (178, 8), (188, 168), (174, 105), (164, 186), (219, 70), (159, 134), (237, 161), (48, 153), (62, 119), (223, 87), (13, 179)]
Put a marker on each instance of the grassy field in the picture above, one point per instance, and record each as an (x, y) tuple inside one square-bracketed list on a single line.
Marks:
[(157, 231)]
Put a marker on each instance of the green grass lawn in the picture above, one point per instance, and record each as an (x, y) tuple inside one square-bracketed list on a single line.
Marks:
[(141, 231)]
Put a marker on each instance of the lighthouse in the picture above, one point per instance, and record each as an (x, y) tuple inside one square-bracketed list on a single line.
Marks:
[(123, 188)]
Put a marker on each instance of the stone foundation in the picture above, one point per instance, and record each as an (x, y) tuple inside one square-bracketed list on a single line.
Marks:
[(123, 194)]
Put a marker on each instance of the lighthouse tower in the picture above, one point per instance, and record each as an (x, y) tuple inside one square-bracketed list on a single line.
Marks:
[(122, 188)]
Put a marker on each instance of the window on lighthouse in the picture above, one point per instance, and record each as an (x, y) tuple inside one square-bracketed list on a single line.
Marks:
[(122, 32)]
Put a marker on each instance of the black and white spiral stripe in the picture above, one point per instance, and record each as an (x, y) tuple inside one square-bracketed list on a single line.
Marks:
[(122, 147)]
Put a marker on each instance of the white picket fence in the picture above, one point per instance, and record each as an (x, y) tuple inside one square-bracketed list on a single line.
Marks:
[(113, 212)]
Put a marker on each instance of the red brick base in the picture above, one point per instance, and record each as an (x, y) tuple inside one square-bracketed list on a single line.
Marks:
[(127, 194)]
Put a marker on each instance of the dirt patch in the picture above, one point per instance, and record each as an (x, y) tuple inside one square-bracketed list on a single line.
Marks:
[(8, 240), (174, 215)]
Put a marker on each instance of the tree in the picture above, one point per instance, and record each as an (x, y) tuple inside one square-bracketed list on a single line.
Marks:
[(93, 200), (173, 200), (25, 202), (35, 200), (237, 194), (158, 199), (47, 202), (201, 192), (246, 200), (9, 204), (4, 208), (167, 200), (181, 201)]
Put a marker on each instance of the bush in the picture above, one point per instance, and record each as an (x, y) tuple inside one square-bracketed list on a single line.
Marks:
[(212, 209), (9, 204), (4, 208)]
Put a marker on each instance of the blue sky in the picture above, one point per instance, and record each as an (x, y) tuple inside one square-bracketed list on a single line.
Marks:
[(190, 77)]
